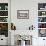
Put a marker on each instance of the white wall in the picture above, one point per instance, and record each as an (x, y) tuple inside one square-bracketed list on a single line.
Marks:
[(32, 6), (23, 24)]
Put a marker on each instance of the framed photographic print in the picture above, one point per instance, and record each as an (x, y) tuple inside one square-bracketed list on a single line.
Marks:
[(22, 14)]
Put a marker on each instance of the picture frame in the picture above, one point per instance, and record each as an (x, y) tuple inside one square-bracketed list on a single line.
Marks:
[(22, 14)]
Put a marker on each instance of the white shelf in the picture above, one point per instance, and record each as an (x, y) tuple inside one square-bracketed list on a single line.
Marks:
[(41, 22), (3, 22), (41, 28), (41, 10), (3, 16), (3, 10), (42, 16)]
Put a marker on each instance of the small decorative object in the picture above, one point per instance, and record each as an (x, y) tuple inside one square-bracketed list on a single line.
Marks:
[(41, 25), (45, 7), (41, 19), (43, 13), (31, 27), (6, 7), (42, 32), (3, 19), (23, 14), (0, 7), (41, 8), (13, 27)]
